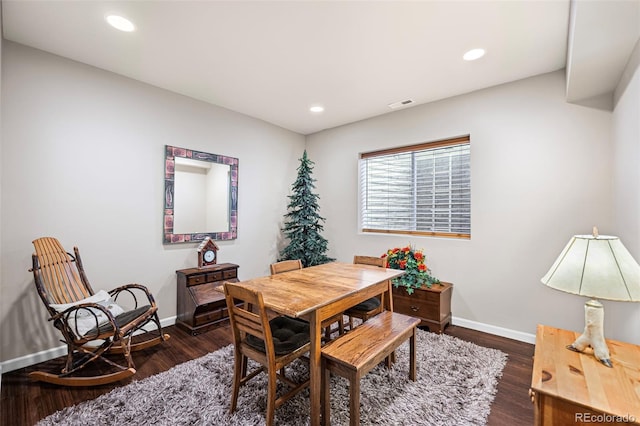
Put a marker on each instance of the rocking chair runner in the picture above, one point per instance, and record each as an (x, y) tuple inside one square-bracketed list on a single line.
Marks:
[(83, 316)]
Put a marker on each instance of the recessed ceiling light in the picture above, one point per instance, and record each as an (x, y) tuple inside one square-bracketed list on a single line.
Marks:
[(473, 54), (120, 23), (316, 108)]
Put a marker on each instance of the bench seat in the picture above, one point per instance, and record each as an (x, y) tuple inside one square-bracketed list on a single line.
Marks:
[(356, 353)]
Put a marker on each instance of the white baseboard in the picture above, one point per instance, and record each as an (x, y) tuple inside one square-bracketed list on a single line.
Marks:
[(27, 360), (31, 359), (498, 331)]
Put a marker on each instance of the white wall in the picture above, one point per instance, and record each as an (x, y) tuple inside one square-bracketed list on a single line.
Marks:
[(626, 178), (82, 160), (1, 306), (626, 160), (541, 172)]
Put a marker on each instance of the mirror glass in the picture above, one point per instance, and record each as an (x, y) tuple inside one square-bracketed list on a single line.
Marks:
[(201, 193)]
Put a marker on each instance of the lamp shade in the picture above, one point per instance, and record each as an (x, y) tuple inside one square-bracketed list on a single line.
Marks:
[(597, 266)]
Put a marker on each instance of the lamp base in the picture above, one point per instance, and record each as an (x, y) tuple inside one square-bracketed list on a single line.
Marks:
[(593, 334)]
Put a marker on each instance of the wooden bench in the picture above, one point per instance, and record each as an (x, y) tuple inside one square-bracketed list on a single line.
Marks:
[(356, 353)]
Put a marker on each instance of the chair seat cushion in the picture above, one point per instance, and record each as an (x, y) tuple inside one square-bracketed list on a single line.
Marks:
[(366, 306), (83, 320), (122, 320), (288, 335)]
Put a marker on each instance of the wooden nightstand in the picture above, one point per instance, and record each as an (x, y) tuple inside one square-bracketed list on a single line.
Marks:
[(201, 303), (571, 388)]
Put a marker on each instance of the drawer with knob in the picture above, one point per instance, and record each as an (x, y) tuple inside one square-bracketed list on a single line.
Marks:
[(431, 305), (200, 300)]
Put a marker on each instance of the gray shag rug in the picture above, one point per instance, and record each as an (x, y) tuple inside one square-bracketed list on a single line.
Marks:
[(456, 384)]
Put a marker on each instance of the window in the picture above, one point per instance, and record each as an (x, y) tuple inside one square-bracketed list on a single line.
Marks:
[(422, 189)]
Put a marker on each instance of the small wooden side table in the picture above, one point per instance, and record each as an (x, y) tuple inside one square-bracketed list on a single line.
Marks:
[(571, 388), (431, 305)]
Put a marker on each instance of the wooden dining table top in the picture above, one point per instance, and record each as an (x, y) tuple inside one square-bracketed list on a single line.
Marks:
[(319, 292), (298, 293)]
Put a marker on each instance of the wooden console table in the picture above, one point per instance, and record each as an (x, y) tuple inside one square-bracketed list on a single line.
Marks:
[(571, 388), (201, 303), (431, 305)]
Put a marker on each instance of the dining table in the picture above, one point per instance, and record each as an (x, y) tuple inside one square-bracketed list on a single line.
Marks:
[(316, 293)]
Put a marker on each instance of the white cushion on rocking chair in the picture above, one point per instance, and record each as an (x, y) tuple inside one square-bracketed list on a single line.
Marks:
[(83, 320)]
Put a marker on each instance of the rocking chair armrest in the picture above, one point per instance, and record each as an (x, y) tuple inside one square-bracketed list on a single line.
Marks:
[(133, 286), (69, 312)]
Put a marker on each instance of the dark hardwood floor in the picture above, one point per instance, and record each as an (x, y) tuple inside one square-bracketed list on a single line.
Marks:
[(512, 405), (25, 402)]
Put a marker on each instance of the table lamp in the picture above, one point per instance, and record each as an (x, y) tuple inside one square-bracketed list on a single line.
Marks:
[(600, 267)]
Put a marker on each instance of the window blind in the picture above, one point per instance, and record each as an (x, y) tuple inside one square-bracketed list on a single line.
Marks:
[(422, 189)]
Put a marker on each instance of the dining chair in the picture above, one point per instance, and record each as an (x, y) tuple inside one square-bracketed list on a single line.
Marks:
[(370, 307), (292, 265), (273, 343), (285, 266)]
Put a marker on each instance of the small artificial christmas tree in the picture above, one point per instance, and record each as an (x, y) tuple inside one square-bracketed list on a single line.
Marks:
[(303, 223)]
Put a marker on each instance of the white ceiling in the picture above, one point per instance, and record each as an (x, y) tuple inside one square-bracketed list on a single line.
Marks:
[(273, 59), (602, 36)]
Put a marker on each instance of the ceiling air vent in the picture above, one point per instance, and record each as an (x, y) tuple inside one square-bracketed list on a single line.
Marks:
[(401, 104)]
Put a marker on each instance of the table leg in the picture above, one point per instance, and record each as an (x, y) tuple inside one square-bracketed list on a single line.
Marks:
[(387, 299), (315, 369)]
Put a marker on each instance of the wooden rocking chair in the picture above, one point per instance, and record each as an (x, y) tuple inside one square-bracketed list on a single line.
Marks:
[(84, 317)]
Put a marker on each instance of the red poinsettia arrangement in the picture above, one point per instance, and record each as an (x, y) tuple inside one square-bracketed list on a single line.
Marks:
[(413, 262)]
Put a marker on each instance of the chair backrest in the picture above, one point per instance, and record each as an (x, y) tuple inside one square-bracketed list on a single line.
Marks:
[(285, 266), (249, 317), (58, 275), (370, 260)]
